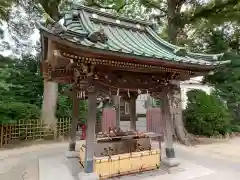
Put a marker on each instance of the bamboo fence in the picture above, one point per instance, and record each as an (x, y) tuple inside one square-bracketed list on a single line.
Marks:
[(32, 130)]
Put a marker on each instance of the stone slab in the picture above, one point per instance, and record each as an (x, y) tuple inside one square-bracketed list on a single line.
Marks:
[(221, 176), (87, 176), (189, 171), (53, 167), (170, 162), (72, 154)]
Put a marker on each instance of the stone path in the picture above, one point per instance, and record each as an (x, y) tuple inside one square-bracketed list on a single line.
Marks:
[(19, 168), (24, 166), (22, 163)]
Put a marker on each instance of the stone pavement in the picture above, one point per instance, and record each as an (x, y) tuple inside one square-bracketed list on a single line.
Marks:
[(216, 161), (23, 163), (24, 166), (50, 167), (221, 176)]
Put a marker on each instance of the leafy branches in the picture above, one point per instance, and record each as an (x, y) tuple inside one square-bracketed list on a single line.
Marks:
[(116, 5), (5, 8), (222, 10), (159, 5)]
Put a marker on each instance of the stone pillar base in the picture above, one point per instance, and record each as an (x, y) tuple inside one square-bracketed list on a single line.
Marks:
[(87, 176), (171, 165), (72, 154), (171, 162), (88, 166), (72, 162)]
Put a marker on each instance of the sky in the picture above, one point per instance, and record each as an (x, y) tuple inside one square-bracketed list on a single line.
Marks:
[(33, 39)]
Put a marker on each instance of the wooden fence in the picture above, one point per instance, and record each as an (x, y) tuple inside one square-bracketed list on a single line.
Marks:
[(32, 130)]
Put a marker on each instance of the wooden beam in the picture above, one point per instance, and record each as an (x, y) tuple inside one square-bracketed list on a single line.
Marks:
[(75, 116), (91, 137)]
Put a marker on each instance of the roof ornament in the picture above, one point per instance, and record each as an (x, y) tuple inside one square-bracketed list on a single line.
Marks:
[(75, 16), (215, 57), (211, 73), (138, 26), (58, 28), (139, 92), (94, 15), (181, 51), (118, 92), (98, 36)]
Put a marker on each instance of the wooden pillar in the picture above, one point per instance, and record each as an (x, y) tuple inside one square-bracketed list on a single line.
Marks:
[(170, 159), (168, 126), (90, 139), (75, 116), (117, 107), (133, 115), (148, 102)]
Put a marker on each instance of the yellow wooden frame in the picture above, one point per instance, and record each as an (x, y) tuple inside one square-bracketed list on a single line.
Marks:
[(123, 164)]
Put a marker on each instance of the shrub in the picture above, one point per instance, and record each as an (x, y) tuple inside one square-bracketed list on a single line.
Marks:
[(235, 128), (14, 111), (206, 114)]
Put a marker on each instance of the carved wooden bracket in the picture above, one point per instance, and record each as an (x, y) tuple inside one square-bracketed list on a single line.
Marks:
[(59, 61), (130, 96), (83, 72), (157, 95)]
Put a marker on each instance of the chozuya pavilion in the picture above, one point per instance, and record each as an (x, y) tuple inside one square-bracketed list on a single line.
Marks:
[(97, 52)]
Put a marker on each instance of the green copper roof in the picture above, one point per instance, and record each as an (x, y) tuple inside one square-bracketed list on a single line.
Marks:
[(131, 37)]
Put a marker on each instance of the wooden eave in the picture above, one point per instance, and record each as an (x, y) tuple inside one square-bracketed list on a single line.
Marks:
[(78, 49)]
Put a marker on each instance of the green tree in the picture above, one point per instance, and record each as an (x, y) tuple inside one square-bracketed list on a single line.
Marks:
[(206, 114), (19, 88), (225, 79)]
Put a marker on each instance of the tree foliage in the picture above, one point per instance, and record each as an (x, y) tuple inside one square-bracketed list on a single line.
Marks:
[(225, 79), (21, 89), (206, 114)]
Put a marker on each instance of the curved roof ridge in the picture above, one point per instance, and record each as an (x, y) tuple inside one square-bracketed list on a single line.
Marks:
[(110, 15), (176, 48), (162, 41), (218, 55)]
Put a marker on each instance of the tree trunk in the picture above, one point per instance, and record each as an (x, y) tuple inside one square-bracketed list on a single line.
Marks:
[(179, 130), (173, 28), (172, 20), (50, 95)]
